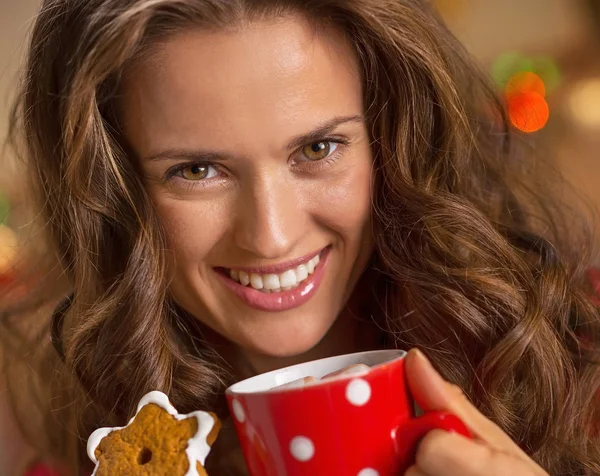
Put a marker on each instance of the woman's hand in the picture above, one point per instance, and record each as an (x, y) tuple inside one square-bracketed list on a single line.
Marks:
[(440, 453)]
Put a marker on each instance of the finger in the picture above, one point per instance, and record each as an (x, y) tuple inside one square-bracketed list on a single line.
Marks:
[(431, 392), (442, 453)]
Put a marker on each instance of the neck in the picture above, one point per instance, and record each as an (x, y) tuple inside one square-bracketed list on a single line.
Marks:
[(352, 331), (348, 334)]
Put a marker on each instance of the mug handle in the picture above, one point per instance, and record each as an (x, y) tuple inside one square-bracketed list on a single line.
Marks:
[(409, 434)]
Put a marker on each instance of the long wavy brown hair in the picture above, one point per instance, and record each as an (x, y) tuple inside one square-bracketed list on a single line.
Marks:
[(475, 262)]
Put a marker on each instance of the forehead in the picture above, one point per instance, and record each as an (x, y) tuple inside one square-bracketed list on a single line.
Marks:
[(281, 75)]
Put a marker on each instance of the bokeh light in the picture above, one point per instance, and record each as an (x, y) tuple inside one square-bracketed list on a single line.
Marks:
[(583, 102), (507, 64), (528, 111), (4, 208), (8, 238), (8, 249), (547, 69), (525, 82)]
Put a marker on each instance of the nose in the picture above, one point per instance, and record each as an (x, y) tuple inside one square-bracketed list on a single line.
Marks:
[(269, 222)]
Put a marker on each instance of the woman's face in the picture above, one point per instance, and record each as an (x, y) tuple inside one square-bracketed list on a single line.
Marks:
[(256, 155)]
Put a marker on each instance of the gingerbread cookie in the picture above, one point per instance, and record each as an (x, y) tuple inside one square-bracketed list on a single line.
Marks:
[(157, 441)]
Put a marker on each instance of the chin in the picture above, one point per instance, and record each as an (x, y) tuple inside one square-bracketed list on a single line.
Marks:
[(289, 342)]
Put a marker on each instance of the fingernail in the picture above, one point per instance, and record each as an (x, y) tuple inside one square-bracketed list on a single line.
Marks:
[(429, 369), (423, 358)]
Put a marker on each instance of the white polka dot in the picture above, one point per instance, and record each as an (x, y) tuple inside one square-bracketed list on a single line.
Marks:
[(368, 472), (358, 392), (238, 411), (302, 448)]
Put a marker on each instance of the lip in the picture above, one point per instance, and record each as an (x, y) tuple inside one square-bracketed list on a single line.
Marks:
[(285, 300), (279, 267)]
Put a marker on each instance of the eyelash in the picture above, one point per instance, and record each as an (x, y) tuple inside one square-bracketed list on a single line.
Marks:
[(314, 166)]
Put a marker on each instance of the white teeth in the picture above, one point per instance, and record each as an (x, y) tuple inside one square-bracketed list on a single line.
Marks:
[(244, 278), (271, 281), (256, 281), (288, 279), (301, 273), (275, 283), (314, 262)]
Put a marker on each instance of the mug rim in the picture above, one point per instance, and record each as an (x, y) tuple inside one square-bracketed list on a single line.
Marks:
[(234, 389)]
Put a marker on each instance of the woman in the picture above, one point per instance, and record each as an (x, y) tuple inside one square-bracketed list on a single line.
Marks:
[(232, 186)]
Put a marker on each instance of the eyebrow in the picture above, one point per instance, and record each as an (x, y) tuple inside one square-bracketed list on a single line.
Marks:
[(211, 156), (322, 130)]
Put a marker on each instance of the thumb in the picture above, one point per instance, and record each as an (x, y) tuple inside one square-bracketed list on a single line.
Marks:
[(429, 390), (432, 393)]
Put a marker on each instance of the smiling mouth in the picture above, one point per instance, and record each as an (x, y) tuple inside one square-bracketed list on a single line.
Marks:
[(269, 283)]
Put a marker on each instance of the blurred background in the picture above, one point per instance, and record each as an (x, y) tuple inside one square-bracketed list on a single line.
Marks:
[(544, 56)]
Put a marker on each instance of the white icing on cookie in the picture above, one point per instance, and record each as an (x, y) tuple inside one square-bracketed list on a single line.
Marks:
[(197, 447), (95, 439)]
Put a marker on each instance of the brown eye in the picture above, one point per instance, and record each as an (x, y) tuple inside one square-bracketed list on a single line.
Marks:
[(196, 172), (319, 150)]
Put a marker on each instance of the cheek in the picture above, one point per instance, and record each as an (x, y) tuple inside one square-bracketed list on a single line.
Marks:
[(345, 203), (192, 228)]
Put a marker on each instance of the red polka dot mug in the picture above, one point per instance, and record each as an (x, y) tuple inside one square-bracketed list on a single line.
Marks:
[(352, 424)]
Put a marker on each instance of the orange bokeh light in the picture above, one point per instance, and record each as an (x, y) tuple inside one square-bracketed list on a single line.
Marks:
[(525, 82), (528, 111)]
